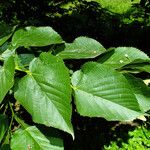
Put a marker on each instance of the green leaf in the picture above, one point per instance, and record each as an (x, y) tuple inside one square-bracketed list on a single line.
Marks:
[(121, 56), (3, 126), (143, 66), (4, 47), (6, 143), (35, 36), (5, 147), (21, 122), (52, 134), (116, 6), (25, 59), (4, 39), (7, 53), (6, 77), (31, 138), (46, 93), (81, 48), (100, 91), (22, 61), (141, 92), (5, 33)]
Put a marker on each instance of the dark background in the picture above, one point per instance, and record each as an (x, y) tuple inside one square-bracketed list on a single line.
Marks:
[(85, 18)]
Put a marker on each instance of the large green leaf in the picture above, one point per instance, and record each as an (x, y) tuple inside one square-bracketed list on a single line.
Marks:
[(141, 91), (31, 138), (46, 93), (122, 56), (81, 48), (3, 126), (100, 91), (6, 77), (35, 36)]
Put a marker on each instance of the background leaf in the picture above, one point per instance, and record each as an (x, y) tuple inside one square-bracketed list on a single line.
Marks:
[(6, 77), (52, 134), (46, 93), (121, 56), (141, 92), (141, 67), (31, 138), (5, 33), (3, 126), (36, 36), (100, 91), (116, 6), (81, 48)]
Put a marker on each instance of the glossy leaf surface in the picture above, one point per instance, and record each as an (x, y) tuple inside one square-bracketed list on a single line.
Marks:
[(31, 138), (100, 91), (81, 48), (6, 77), (141, 91), (46, 93), (35, 36), (121, 56)]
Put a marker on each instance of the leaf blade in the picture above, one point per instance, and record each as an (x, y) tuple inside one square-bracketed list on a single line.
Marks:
[(103, 92), (6, 77), (36, 36), (141, 91), (3, 126), (31, 138), (121, 56), (46, 91), (81, 48)]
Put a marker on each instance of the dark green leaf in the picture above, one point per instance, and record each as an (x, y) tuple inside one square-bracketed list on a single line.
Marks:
[(5, 147), (5, 33), (3, 126), (25, 59), (142, 67)]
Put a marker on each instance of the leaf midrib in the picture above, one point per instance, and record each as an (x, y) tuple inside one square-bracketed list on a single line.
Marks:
[(50, 100), (33, 138)]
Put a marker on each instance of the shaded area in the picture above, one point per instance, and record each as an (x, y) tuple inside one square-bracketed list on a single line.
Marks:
[(95, 133), (83, 18)]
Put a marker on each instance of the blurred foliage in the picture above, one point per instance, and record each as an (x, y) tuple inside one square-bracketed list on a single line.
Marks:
[(99, 134), (139, 139), (117, 6), (113, 23)]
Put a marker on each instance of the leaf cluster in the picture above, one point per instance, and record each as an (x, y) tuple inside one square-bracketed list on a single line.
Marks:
[(39, 78)]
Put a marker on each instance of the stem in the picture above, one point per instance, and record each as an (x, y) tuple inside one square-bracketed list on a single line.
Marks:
[(1, 106), (5, 109), (12, 117)]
